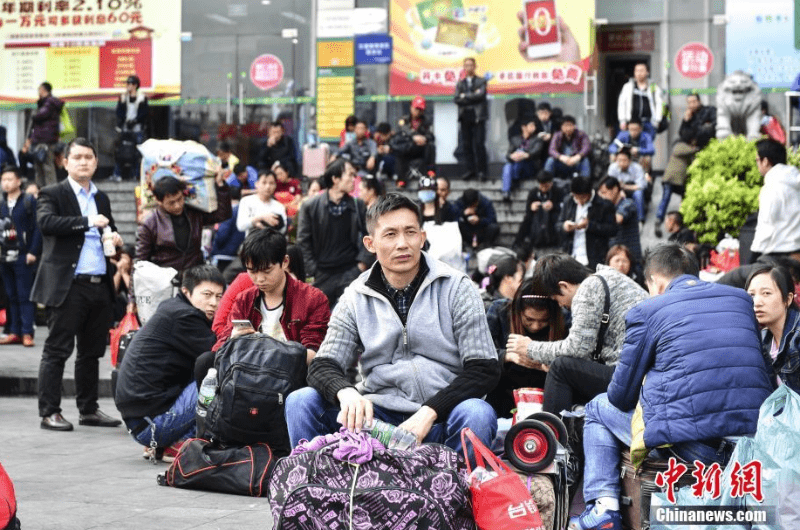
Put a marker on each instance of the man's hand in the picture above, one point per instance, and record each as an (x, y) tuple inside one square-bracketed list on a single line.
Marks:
[(535, 206), (574, 160), (30, 259), (623, 125), (547, 206), (473, 219), (355, 409), (270, 219), (687, 115), (419, 139), (569, 226), (219, 178), (420, 423), (469, 211), (99, 220), (362, 266), (271, 140), (27, 146), (116, 239), (583, 224), (634, 151), (517, 344), (239, 332)]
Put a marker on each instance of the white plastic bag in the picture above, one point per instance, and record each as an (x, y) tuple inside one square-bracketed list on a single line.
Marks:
[(152, 285), (445, 240)]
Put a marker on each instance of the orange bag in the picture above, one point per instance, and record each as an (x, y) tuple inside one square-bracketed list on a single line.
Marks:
[(128, 323)]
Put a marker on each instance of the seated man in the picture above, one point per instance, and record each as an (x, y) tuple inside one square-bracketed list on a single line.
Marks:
[(276, 304), (477, 219), (628, 227), (678, 232), (279, 147), (156, 393), (542, 208), (362, 151), (638, 141), (705, 379), (569, 151), (581, 365), (632, 178), (414, 142), (522, 157), (426, 355), (586, 223), (243, 177)]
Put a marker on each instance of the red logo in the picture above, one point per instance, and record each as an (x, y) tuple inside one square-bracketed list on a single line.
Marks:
[(266, 72), (694, 60), (253, 411)]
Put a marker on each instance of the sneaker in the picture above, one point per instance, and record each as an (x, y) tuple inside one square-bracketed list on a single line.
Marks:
[(591, 520), (506, 197), (171, 452), (115, 178), (27, 341), (11, 338), (658, 231)]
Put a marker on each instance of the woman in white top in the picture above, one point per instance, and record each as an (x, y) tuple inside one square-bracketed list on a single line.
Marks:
[(260, 210)]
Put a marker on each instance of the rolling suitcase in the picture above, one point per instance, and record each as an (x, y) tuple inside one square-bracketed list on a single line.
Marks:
[(638, 487), (315, 159)]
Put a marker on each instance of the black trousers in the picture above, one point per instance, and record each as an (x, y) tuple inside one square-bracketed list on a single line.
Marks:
[(486, 235), (572, 381), (333, 282), (473, 145), (86, 316)]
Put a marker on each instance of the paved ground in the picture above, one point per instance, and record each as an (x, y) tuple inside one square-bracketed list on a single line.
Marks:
[(96, 478)]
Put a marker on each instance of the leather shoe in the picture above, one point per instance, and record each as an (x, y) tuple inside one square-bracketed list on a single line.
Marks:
[(27, 341), (98, 419), (56, 422)]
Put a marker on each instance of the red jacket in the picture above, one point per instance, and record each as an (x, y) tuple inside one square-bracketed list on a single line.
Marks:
[(305, 312)]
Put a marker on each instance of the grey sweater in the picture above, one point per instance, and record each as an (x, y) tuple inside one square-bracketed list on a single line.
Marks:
[(587, 310)]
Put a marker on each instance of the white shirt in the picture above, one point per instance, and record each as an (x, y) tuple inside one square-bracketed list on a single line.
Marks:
[(271, 321), (251, 207), (579, 240), (778, 228)]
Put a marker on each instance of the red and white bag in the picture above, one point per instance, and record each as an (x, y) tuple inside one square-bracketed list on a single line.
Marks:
[(502, 502)]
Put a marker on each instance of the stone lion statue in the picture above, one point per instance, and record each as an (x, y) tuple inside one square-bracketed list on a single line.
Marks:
[(738, 106)]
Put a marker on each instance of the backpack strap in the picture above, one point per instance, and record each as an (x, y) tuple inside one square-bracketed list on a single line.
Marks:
[(604, 319)]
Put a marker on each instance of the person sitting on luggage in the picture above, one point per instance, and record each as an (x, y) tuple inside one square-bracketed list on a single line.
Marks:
[(773, 292), (156, 393), (692, 361), (362, 151), (417, 328), (276, 304), (638, 141), (170, 235), (581, 365), (542, 208), (528, 315)]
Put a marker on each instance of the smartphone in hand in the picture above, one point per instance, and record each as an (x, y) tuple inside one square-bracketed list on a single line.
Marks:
[(242, 324), (542, 33)]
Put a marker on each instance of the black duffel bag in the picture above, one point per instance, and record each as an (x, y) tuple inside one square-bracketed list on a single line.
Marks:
[(200, 465), (255, 373)]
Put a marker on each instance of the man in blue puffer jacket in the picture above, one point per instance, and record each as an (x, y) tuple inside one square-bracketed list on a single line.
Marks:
[(697, 343)]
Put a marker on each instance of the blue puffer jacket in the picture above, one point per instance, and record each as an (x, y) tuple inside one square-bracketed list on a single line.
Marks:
[(699, 346), (787, 364)]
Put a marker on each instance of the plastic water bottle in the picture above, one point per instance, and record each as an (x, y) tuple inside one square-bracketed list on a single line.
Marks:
[(108, 242), (391, 436), (207, 393)]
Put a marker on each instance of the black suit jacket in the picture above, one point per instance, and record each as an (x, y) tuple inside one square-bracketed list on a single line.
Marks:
[(63, 232), (474, 99), (602, 227)]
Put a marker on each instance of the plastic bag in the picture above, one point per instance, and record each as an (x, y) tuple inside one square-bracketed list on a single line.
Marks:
[(128, 323), (66, 129), (152, 285), (445, 240)]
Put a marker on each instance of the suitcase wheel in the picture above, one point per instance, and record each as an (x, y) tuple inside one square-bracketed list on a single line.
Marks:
[(161, 479), (530, 445), (554, 423)]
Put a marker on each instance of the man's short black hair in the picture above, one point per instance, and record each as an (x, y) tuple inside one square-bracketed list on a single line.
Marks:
[(383, 128), (239, 168), (225, 146), (236, 193), (580, 186), (350, 120), (80, 142), (277, 123), (194, 276), (168, 186), (447, 180), (643, 64), (773, 151), (635, 119), (47, 86), (334, 169), (470, 197), (568, 118), (693, 95), (11, 169), (262, 249), (389, 203), (670, 260), (134, 80), (265, 173), (554, 268), (544, 176), (362, 121), (625, 151), (676, 216), (610, 183), (543, 105)]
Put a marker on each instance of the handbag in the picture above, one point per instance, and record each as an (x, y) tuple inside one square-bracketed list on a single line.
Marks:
[(502, 502), (128, 323)]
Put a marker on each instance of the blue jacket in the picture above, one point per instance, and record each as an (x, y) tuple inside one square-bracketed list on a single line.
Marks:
[(698, 344), (484, 210), (645, 144), (228, 237), (787, 363), (24, 217)]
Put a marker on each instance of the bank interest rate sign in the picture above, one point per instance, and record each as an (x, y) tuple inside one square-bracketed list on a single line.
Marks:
[(266, 72), (694, 60)]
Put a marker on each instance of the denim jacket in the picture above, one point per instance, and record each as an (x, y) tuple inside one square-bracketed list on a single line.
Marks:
[(787, 364)]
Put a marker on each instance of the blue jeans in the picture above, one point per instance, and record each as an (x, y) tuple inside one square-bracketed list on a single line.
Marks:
[(669, 189), (606, 432), (309, 415), (18, 280), (638, 198), (513, 171), (178, 423), (561, 170)]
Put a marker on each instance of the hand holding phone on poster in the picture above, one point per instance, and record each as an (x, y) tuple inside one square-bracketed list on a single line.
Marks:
[(541, 38)]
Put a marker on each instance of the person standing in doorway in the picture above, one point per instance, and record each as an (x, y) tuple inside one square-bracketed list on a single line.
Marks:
[(473, 112)]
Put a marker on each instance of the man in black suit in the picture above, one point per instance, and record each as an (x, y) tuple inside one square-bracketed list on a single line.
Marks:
[(473, 111), (75, 283)]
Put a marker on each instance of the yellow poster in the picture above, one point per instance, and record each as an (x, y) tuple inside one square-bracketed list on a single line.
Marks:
[(87, 48), (519, 46)]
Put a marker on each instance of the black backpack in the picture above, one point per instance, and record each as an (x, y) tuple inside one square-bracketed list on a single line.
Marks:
[(255, 373)]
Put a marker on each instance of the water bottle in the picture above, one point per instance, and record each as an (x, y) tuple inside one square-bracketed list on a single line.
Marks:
[(108, 242), (391, 436), (207, 393)]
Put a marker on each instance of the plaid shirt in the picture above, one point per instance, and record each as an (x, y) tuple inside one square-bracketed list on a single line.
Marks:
[(336, 210), (405, 296)]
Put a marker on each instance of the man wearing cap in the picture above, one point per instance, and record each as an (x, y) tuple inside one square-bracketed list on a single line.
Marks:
[(132, 110), (413, 144)]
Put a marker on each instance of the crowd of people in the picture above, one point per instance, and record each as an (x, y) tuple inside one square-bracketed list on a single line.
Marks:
[(577, 308)]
